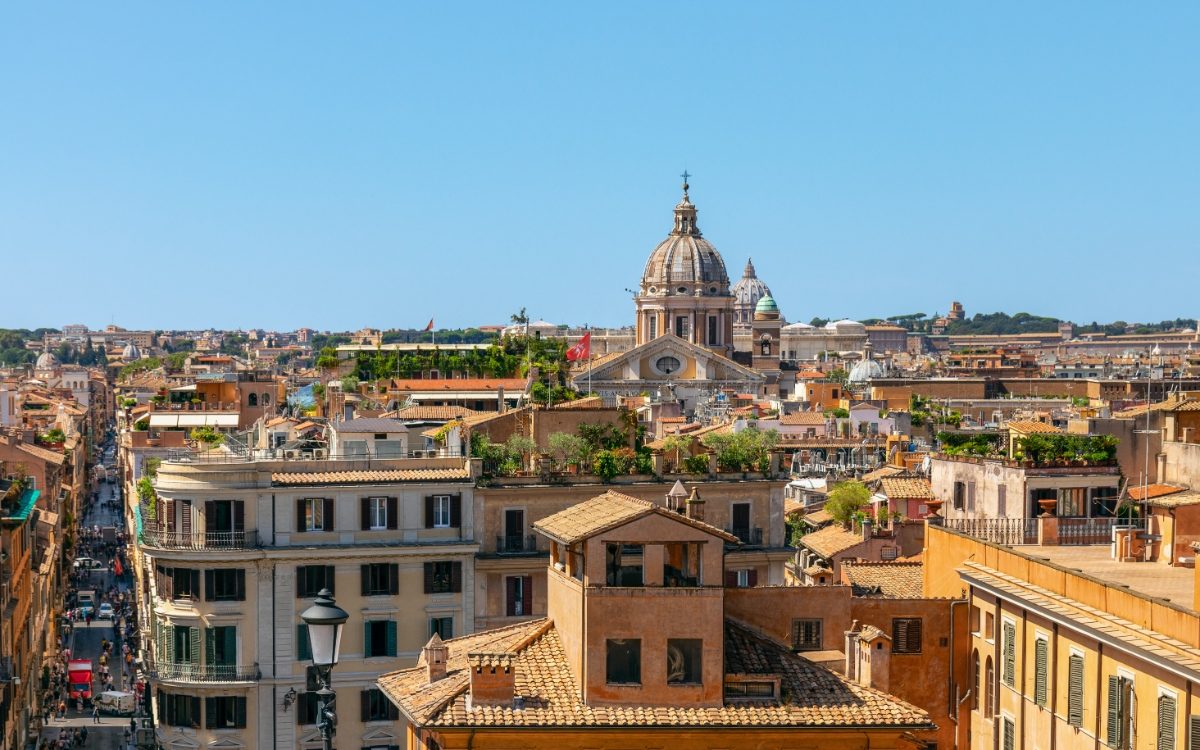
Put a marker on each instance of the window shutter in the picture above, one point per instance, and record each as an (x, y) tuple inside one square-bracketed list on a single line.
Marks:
[(391, 640), (1166, 722), (239, 525), (230, 645), (393, 579), (428, 578), (239, 705), (429, 512), (1010, 653), (194, 644), (300, 514), (210, 646), (194, 719), (456, 577), (393, 513), (1009, 734), (240, 580), (330, 580), (1194, 733), (367, 645), (194, 575), (364, 504), (1113, 733), (210, 517), (327, 521), (366, 579), (303, 649), (209, 585), (527, 589), (731, 579), (210, 713), (1040, 668), (1075, 691), (456, 511), (510, 586), (301, 581), (364, 705)]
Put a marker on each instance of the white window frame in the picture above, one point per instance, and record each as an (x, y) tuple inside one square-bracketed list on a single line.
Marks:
[(743, 578), (314, 514), (378, 513), (441, 511)]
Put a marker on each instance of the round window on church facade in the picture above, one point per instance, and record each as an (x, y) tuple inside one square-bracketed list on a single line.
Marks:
[(667, 365)]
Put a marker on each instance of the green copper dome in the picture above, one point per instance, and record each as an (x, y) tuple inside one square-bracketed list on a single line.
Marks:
[(766, 305)]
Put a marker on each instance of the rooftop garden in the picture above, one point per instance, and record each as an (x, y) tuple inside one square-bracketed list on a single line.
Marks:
[(1037, 449)]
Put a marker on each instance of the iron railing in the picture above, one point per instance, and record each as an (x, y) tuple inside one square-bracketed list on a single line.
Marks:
[(164, 539), (205, 672), (1010, 531), (188, 456), (1093, 530), (749, 536), (516, 544)]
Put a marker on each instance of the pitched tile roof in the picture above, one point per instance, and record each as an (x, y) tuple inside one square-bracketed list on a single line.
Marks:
[(1028, 427), (812, 695), (1153, 491), (906, 488), (369, 424), (1190, 404), (608, 511), (831, 540), (430, 412), (895, 580), (803, 418), (1176, 500), (374, 476), (881, 472), (818, 518)]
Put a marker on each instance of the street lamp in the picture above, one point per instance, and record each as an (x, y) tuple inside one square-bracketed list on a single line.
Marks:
[(325, 620)]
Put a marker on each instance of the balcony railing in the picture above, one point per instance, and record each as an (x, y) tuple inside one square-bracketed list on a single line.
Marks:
[(1009, 531), (516, 544), (164, 539), (237, 454), (752, 537), (205, 672)]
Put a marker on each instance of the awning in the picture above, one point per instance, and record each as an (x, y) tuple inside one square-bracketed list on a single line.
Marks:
[(177, 389)]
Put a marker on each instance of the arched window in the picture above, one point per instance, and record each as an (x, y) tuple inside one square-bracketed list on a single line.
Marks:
[(266, 399), (252, 400), (990, 679), (766, 346), (978, 680)]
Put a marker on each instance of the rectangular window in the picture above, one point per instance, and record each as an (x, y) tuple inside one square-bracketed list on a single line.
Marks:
[(443, 511), (1001, 500), (1008, 670), (518, 596), (389, 448), (806, 635), (971, 497), (960, 494), (443, 577), (220, 646), (1194, 733), (376, 707), (683, 327), (1166, 722), (379, 638), (179, 710), (443, 627), (185, 583), (713, 339), (683, 661), (314, 514), (378, 513), (225, 585), (1009, 739), (303, 646), (1119, 723), (225, 712), (975, 618), (623, 662), (306, 708), (1041, 668), (310, 579), (380, 579), (906, 635), (623, 565), (652, 327), (1075, 690), (186, 645)]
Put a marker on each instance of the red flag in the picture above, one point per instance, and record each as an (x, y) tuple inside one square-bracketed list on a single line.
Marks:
[(117, 569), (582, 350), (430, 326)]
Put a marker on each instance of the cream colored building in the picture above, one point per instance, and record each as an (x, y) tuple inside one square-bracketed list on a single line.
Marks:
[(232, 552)]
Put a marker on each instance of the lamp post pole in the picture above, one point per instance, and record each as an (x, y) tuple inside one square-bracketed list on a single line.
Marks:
[(325, 620)]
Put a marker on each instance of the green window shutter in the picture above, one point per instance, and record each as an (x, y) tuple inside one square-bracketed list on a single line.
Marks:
[(1075, 691), (1166, 722), (303, 648), (210, 646), (194, 646), (367, 638), (1041, 667), (230, 646), (1010, 734), (1010, 654), (1194, 733), (1113, 725), (391, 639)]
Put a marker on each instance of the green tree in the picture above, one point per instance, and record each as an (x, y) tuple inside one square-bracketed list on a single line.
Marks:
[(847, 499), (566, 448), (327, 359)]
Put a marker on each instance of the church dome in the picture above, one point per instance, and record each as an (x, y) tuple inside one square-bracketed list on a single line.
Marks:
[(685, 263), (131, 352), (847, 327), (46, 361), (865, 370), (766, 309), (749, 289)]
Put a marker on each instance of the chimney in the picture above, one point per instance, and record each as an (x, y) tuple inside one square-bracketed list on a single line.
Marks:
[(867, 526), (695, 506), (435, 655), (677, 497), (492, 679)]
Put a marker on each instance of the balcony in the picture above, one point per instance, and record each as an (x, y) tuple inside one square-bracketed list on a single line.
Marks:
[(1020, 531), (199, 540), (516, 544), (750, 537), (205, 673)]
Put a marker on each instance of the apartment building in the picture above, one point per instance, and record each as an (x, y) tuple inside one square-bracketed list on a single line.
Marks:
[(230, 551)]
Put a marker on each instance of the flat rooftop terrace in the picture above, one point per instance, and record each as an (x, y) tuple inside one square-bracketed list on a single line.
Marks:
[(1146, 578)]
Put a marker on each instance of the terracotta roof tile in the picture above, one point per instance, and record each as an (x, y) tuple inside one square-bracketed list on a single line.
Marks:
[(803, 418), (893, 580), (375, 476), (419, 412), (906, 488), (831, 540), (1029, 427), (1152, 491), (1176, 500), (813, 695), (880, 473), (608, 511)]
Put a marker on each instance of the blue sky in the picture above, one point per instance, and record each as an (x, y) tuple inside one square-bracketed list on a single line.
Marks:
[(335, 165)]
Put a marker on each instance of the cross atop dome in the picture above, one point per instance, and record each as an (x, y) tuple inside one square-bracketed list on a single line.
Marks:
[(685, 177)]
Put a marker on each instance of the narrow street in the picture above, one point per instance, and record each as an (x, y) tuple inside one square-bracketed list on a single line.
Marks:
[(87, 639)]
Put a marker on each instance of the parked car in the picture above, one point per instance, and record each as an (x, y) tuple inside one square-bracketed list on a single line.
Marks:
[(116, 702), (87, 563), (106, 612)]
